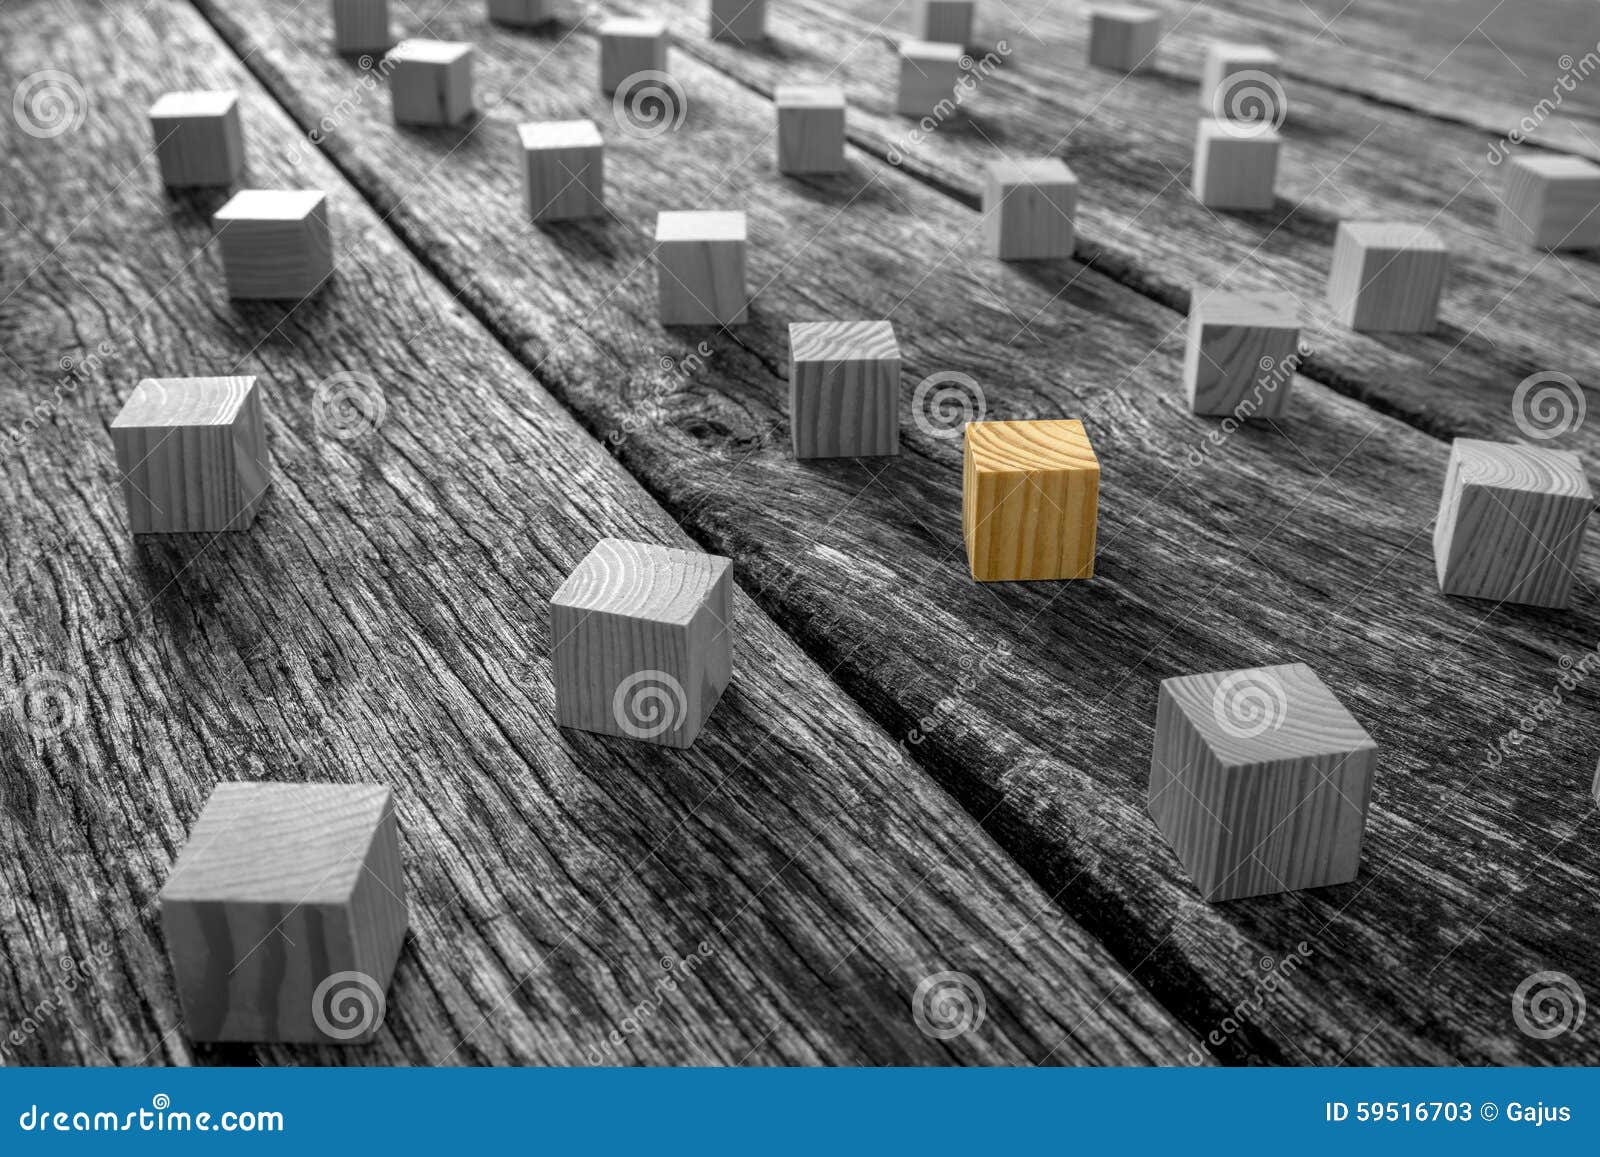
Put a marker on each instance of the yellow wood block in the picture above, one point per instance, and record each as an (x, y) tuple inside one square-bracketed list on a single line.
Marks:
[(1030, 495)]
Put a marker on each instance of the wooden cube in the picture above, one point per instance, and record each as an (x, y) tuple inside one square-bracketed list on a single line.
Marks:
[(285, 913), (1030, 499), (810, 128), (563, 170), (192, 453), (1242, 353), (1511, 522), (643, 641), (199, 138), (430, 82), (1386, 276), (844, 389), (739, 21), (1551, 202), (522, 13), (945, 21), (629, 47), (276, 243), (929, 74), (361, 26), (700, 267), (1235, 167), (1260, 781), (1224, 60), (1123, 37), (1028, 209)]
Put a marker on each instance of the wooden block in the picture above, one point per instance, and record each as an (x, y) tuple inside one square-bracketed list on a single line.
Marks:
[(945, 21), (928, 77), (629, 47), (193, 454), (1387, 277), (1260, 781), (285, 913), (700, 267), (361, 26), (1551, 202), (1235, 168), (1030, 499), (1123, 37), (844, 389), (1028, 208), (522, 13), (1242, 353), (643, 641), (563, 170), (739, 21), (276, 243), (1224, 60), (1511, 522), (810, 128), (430, 82), (199, 138)]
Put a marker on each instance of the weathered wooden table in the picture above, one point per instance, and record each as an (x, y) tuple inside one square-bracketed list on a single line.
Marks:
[(910, 773)]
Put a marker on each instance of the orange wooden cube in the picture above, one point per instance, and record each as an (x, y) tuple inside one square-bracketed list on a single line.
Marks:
[(1030, 497)]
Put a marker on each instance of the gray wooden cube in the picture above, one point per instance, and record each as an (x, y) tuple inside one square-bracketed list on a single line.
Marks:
[(1224, 60), (628, 47), (1029, 206), (563, 170), (945, 21), (810, 128), (1260, 781), (430, 82), (642, 641), (361, 26), (1551, 202), (1242, 353), (285, 913), (199, 138), (1123, 37), (1234, 167), (1387, 276), (522, 13), (929, 74), (1511, 522), (844, 389), (276, 243), (738, 21), (700, 257)]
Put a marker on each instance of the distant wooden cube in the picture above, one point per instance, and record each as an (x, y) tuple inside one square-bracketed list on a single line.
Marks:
[(276, 243), (285, 913), (844, 389), (1028, 209), (361, 26), (1386, 276), (1511, 522), (700, 267), (522, 13), (739, 21), (1224, 60), (1242, 353), (192, 453), (563, 170), (810, 128), (199, 138), (1260, 780), (629, 47), (1234, 168), (1123, 37), (1551, 202), (945, 21), (643, 641), (929, 74), (430, 82), (1030, 499)]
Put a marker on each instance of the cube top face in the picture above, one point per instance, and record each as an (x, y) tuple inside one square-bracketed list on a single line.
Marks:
[(1124, 13), (1257, 309), (1391, 236), (159, 403), (1212, 129), (1558, 168), (1265, 715), (429, 51), (184, 105), (577, 134), (1241, 55), (842, 341), (279, 843), (931, 52), (809, 96), (636, 580), (1010, 172), (631, 28), (1030, 447), (271, 205), (700, 225), (1508, 466)]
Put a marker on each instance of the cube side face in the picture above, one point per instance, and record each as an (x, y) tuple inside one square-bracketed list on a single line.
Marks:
[(361, 26), (946, 21), (1185, 780), (562, 184), (845, 408), (1235, 369), (276, 260), (200, 151), (1511, 546), (1028, 221), (379, 913), (1023, 526), (738, 21), (1235, 172), (811, 140), (522, 13), (626, 676), (624, 56), (701, 282), (425, 92), (925, 85), (1123, 42)]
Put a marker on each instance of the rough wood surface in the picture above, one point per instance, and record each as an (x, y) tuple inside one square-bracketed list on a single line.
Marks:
[(384, 623), (1032, 703)]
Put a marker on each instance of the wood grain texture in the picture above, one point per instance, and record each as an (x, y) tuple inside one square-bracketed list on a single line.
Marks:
[(1030, 500), (361, 26), (1028, 209), (1551, 202), (1218, 551), (276, 244), (430, 82), (1124, 37), (1387, 276), (1511, 522), (810, 128), (563, 170), (1260, 780), (844, 389), (1241, 354), (285, 912), (199, 138), (1231, 170), (385, 623)]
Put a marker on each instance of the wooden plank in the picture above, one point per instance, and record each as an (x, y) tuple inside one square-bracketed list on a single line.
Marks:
[(1033, 703), (774, 895)]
